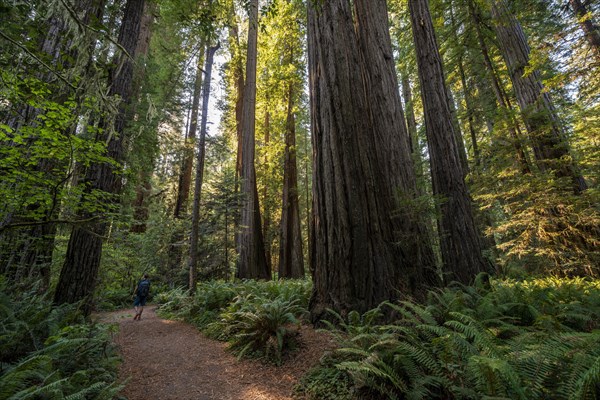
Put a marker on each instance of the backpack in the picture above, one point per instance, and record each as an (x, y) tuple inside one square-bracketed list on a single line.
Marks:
[(143, 288)]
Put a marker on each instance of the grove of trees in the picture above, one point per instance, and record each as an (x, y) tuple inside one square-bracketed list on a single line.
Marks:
[(380, 148)]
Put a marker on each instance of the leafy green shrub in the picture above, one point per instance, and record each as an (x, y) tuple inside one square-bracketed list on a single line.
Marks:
[(325, 382), (175, 303), (266, 329), (49, 352), (114, 299), (518, 340), (211, 298)]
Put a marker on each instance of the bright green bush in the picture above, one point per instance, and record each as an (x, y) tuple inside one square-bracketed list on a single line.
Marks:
[(49, 352)]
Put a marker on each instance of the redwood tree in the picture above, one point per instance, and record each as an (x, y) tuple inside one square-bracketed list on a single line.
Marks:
[(586, 22), (80, 269), (363, 251), (252, 261), (291, 262), (193, 259), (185, 176), (460, 247), (550, 146)]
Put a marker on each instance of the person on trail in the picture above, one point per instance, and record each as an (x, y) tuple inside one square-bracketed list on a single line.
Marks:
[(141, 293)]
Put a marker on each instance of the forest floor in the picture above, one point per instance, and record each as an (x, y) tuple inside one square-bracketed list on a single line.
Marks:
[(172, 360)]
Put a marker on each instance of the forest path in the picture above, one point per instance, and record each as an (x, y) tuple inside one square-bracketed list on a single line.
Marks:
[(171, 360)]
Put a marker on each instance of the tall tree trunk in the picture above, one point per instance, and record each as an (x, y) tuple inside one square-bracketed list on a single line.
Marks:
[(140, 206), (469, 111), (193, 259), (252, 262), (461, 145), (591, 30), (267, 217), (550, 146), (361, 157), (411, 121), (458, 138), (238, 73), (291, 262), (77, 279), (307, 190), (418, 266), (185, 176), (465, 88), (461, 251), (501, 97), (144, 187)]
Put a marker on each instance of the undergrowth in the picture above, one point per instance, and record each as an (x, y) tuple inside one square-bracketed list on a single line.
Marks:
[(49, 352), (326, 382), (537, 339), (258, 319)]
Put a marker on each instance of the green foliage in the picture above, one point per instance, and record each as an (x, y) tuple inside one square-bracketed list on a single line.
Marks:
[(515, 340), (37, 159), (542, 226), (48, 352), (266, 329), (113, 299), (257, 318), (126, 258), (175, 303), (325, 382)]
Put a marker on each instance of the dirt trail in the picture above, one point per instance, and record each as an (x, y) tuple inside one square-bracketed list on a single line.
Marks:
[(170, 360)]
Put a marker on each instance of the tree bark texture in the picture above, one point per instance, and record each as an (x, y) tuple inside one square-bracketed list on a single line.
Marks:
[(590, 29), (461, 251), (194, 236), (291, 261), (252, 261), (78, 276), (550, 146), (393, 139), (460, 144), (359, 256)]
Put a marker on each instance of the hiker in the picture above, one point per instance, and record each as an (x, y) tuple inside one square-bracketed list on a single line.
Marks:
[(141, 293)]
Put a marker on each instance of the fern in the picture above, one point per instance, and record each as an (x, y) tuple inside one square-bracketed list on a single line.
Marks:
[(505, 340), (58, 356), (53, 388), (26, 373), (83, 394), (588, 384), (262, 326)]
